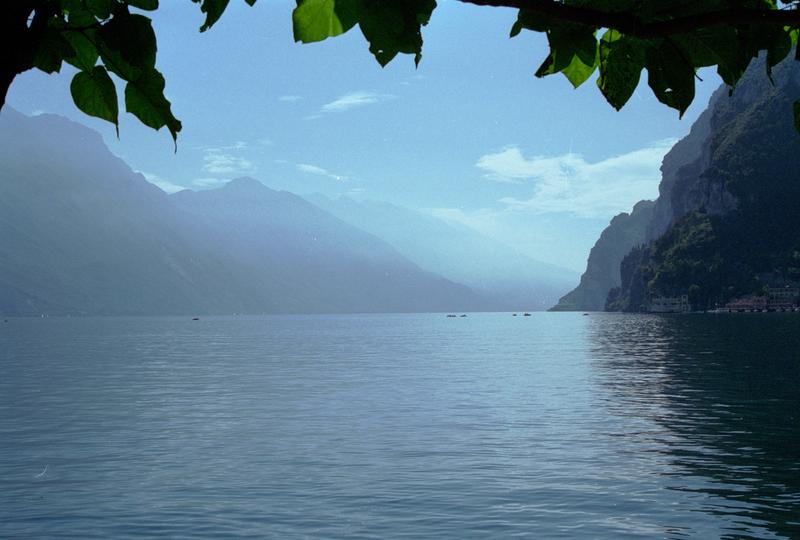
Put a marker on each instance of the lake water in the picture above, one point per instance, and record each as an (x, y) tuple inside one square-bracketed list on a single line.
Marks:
[(401, 426)]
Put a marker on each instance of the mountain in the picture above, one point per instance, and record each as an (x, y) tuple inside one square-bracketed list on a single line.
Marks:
[(727, 217), (293, 256), (625, 232), (506, 278), (81, 233)]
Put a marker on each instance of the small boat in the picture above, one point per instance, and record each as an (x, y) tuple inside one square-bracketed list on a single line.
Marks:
[(514, 315), (451, 315), (195, 318), (463, 315), (526, 314)]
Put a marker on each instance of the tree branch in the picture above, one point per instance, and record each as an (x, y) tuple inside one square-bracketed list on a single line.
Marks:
[(630, 23)]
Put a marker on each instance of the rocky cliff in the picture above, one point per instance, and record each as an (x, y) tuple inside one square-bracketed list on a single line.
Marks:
[(726, 213), (729, 202), (602, 268)]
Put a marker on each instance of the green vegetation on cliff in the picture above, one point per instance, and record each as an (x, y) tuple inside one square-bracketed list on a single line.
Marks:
[(742, 230)]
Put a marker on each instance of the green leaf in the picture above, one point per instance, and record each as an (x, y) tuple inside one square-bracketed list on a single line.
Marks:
[(395, 27), (94, 93), (101, 9), (83, 54), (670, 76), (568, 41), (315, 20), (148, 5), (80, 17), (577, 72), (213, 10), (573, 52), (711, 47), (144, 98), (51, 51), (780, 44), (621, 62), (127, 45), (530, 21)]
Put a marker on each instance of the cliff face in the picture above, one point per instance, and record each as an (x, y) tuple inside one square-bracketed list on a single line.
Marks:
[(729, 200), (727, 211), (685, 161), (679, 193), (602, 269)]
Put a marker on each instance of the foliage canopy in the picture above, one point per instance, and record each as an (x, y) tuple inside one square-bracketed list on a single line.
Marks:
[(669, 39)]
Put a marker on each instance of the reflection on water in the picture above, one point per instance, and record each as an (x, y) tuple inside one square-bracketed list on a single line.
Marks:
[(416, 426), (725, 393)]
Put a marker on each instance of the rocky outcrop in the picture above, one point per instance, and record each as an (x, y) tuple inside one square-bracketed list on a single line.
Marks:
[(602, 268), (726, 212), (729, 200)]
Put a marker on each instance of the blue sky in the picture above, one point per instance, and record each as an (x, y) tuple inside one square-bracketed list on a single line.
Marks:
[(470, 136)]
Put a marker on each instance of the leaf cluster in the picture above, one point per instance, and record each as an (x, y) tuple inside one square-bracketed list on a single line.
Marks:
[(668, 39), (671, 61), (618, 40), (389, 27), (102, 38)]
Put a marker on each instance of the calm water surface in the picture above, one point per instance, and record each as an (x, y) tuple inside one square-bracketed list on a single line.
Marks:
[(401, 426)]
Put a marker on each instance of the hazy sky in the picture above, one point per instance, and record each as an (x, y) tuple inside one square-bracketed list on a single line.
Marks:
[(470, 135)]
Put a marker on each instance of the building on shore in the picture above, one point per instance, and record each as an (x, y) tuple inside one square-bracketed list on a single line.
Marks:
[(776, 299), (782, 298), (747, 304)]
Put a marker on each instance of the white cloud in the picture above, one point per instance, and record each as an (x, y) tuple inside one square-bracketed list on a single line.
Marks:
[(165, 185), (219, 160), (319, 171), (570, 184), (311, 169), (353, 100), (290, 98)]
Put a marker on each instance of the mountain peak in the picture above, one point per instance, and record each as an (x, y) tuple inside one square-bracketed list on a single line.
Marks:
[(245, 183)]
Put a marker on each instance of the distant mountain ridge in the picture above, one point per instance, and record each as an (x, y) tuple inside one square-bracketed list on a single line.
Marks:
[(81, 233), (508, 279)]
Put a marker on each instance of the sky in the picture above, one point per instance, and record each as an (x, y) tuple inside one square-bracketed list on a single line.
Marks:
[(470, 136)]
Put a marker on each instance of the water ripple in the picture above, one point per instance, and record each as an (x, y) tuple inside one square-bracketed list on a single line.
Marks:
[(401, 426)]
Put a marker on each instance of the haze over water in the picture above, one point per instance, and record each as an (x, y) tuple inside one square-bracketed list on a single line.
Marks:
[(413, 426)]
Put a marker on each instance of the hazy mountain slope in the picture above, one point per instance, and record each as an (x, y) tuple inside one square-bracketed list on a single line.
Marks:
[(602, 268), (81, 233), (509, 279), (296, 257)]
